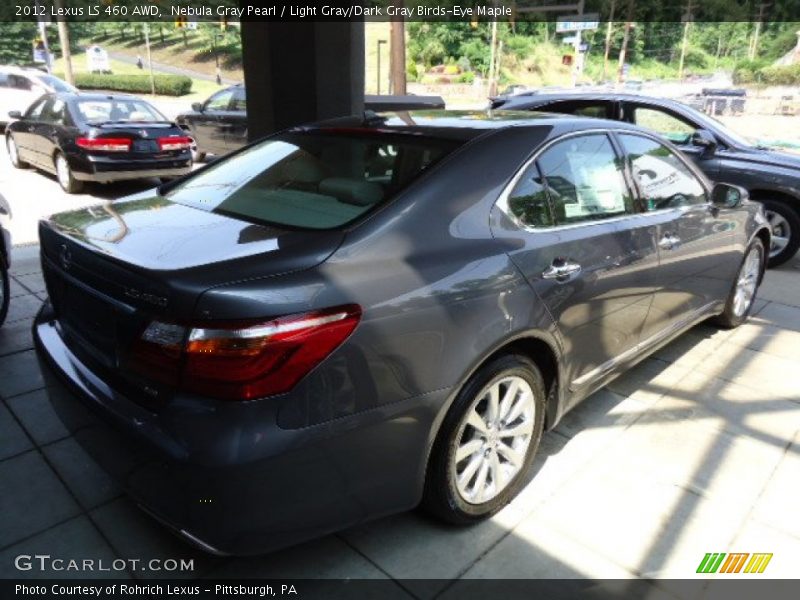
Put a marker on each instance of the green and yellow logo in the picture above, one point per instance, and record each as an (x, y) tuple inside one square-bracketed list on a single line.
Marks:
[(720, 562)]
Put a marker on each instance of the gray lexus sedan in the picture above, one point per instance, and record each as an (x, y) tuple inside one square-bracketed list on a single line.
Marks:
[(352, 318)]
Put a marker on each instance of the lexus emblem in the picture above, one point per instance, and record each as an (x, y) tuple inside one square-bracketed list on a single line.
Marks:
[(66, 257), (143, 133)]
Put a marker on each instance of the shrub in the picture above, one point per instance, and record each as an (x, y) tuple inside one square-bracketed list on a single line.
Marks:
[(167, 85), (785, 75), (467, 77)]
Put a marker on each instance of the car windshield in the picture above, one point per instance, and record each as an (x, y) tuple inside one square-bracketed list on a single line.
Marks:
[(320, 179), (117, 110), (56, 83)]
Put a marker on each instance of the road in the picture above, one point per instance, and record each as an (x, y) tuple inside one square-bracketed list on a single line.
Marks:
[(162, 68), (33, 195)]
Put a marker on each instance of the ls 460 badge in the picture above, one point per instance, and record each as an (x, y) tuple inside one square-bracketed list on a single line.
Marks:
[(145, 297)]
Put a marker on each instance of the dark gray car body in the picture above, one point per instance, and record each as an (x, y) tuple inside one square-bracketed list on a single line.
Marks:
[(445, 280)]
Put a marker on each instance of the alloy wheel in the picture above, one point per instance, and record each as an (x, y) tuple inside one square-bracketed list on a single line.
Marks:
[(781, 232), (12, 151), (747, 282), (62, 171), (493, 439)]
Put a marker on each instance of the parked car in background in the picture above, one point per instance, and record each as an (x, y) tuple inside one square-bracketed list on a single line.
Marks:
[(97, 137), (346, 319), (20, 87), (771, 177), (219, 125), (5, 258)]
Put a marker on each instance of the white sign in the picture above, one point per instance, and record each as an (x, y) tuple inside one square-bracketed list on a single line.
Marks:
[(97, 60), (572, 23)]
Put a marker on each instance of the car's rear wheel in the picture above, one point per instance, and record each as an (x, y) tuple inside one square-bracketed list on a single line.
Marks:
[(5, 293), (785, 225), (487, 441), (65, 177), (13, 153), (743, 294), (197, 156)]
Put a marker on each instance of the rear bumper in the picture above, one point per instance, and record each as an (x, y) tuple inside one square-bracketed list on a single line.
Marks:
[(224, 475), (108, 176)]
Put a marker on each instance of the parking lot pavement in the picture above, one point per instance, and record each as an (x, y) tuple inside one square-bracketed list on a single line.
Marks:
[(696, 450), (33, 195)]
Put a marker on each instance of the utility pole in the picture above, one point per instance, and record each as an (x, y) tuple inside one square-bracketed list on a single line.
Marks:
[(577, 68), (378, 79), (627, 34), (397, 53), (756, 34), (609, 28), (687, 21), (149, 60), (492, 59), (63, 38)]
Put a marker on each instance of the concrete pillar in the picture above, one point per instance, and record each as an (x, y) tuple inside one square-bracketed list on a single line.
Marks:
[(301, 72)]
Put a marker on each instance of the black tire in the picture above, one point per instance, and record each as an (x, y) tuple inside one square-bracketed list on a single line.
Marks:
[(442, 498), (13, 153), (197, 156), (789, 219), (731, 317), (5, 293), (66, 179)]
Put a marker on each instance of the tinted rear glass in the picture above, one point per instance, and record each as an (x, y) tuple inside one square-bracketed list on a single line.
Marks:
[(312, 180)]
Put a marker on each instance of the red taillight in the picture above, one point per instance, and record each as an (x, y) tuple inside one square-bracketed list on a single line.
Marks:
[(104, 144), (174, 143), (242, 361)]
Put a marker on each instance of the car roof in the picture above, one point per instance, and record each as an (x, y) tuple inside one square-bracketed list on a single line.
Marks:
[(535, 97), (95, 96), (465, 124)]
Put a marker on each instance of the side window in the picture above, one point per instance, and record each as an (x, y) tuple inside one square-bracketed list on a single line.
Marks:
[(53, 111), (239, 100), (583, 108), (18, 82), (674, 129), (220, 101), (528, 200), (664, 181), (35, 111), (4, 80), (584, 180)]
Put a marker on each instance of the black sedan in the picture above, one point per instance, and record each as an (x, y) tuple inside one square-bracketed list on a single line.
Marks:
[(346, 319), (772, 178), (97, 137), (219, 125)]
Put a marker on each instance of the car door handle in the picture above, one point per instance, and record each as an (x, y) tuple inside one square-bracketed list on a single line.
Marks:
[(669, 242), (561, 270)]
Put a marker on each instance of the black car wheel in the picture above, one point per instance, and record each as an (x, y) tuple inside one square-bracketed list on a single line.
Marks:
[(785, 225), (66, 180), (13, 153), (487, 441), (743, 294), (5, 293)]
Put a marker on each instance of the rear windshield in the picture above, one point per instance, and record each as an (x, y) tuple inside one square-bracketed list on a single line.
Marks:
[(311, 179), (117, 110)]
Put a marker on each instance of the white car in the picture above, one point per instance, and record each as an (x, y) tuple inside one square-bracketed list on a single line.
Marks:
[(20, 87)]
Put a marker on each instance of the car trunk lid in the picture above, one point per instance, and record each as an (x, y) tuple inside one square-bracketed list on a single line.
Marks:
[(112, 269)]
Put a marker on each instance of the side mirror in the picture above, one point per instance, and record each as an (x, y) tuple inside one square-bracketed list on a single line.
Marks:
[(704, 139), (197, 107), (726, 195), (15, 114)]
